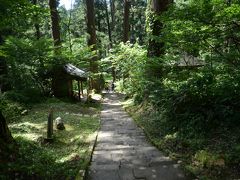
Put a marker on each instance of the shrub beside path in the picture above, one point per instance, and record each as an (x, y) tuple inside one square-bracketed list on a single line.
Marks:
[(122, 151)]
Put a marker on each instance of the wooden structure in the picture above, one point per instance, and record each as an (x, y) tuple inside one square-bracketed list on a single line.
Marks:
[(189, 61), (62, 83)]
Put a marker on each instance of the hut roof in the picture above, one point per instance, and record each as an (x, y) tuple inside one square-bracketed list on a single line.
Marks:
[(75, 72), (189, 61)]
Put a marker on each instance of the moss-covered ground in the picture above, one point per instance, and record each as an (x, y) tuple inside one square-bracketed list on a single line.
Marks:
[(70, 151)]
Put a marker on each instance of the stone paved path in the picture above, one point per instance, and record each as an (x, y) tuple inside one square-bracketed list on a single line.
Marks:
[(122, 151)]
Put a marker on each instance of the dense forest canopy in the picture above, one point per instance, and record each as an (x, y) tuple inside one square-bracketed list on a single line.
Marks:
[(178, 61)]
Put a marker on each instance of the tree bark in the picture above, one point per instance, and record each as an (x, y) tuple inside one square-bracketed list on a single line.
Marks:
[(156, 46), (69, 30), (108, 24), (55, 23), (59, 85), (5, 134), (92, 41), (113, 9), (36, 25), (126, 26), (4, 85), (8, 147), (140, 35), (98, 21), (132, 26)]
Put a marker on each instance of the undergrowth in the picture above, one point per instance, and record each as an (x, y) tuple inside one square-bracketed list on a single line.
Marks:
[(207, 154)]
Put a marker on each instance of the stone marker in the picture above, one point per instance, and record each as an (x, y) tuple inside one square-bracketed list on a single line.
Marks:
[(59, 123), (49, 128)]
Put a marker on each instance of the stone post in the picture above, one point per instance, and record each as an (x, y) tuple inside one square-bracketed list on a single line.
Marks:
[(50, 127)]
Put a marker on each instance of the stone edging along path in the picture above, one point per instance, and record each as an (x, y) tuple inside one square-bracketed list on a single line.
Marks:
[(122, 151)]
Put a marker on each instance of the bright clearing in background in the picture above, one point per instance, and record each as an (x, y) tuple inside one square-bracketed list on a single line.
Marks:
[(67, 3)]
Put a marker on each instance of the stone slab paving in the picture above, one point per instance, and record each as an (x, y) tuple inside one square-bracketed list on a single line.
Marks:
[(123, 153)]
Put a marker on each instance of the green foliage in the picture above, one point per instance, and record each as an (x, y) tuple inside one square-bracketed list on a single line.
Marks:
[(128, 61), (27, 59), (11, 110), (13, 103), (188, 99)]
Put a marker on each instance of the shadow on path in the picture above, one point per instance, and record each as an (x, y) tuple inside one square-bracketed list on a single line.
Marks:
[(122, 151)]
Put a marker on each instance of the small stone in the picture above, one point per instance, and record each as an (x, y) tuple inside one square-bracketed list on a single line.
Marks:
[(59, 123)]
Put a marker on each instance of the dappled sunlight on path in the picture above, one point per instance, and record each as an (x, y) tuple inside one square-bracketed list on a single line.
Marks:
[(122, 151)]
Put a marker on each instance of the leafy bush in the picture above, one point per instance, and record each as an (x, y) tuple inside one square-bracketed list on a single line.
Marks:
[(128, 61), (13, 103), (26, 96), (11, 110)]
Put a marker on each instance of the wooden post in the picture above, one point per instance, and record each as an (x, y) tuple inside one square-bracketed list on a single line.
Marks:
[(79, 96), (50, 127), (82, 87)]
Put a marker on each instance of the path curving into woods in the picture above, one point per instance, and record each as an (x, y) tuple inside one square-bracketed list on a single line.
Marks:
[(123, 152)]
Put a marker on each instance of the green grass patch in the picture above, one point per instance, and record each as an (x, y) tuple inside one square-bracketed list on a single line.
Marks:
[(67, 155)]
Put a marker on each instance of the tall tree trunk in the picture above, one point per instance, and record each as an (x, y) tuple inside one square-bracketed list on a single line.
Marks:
[(69, 30), (113, 9), (55, 23), (156, 46), (4, 85), (92, 41), (5, 134), (108, 24), (126, 26), (132, 27), (58, 81), (38, 33), (140, 36), (98, 19), (36, 25)]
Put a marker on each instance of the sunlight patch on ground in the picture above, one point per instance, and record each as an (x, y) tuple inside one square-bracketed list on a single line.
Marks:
[(72, 156), (96, 97), (128, 103), (91, 138), (115, 104), (68, 127), (28, 136), (75, 138), (106, 134), (28, 124)]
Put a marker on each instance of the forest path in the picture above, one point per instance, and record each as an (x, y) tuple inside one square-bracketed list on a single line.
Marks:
[(122, 151)]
